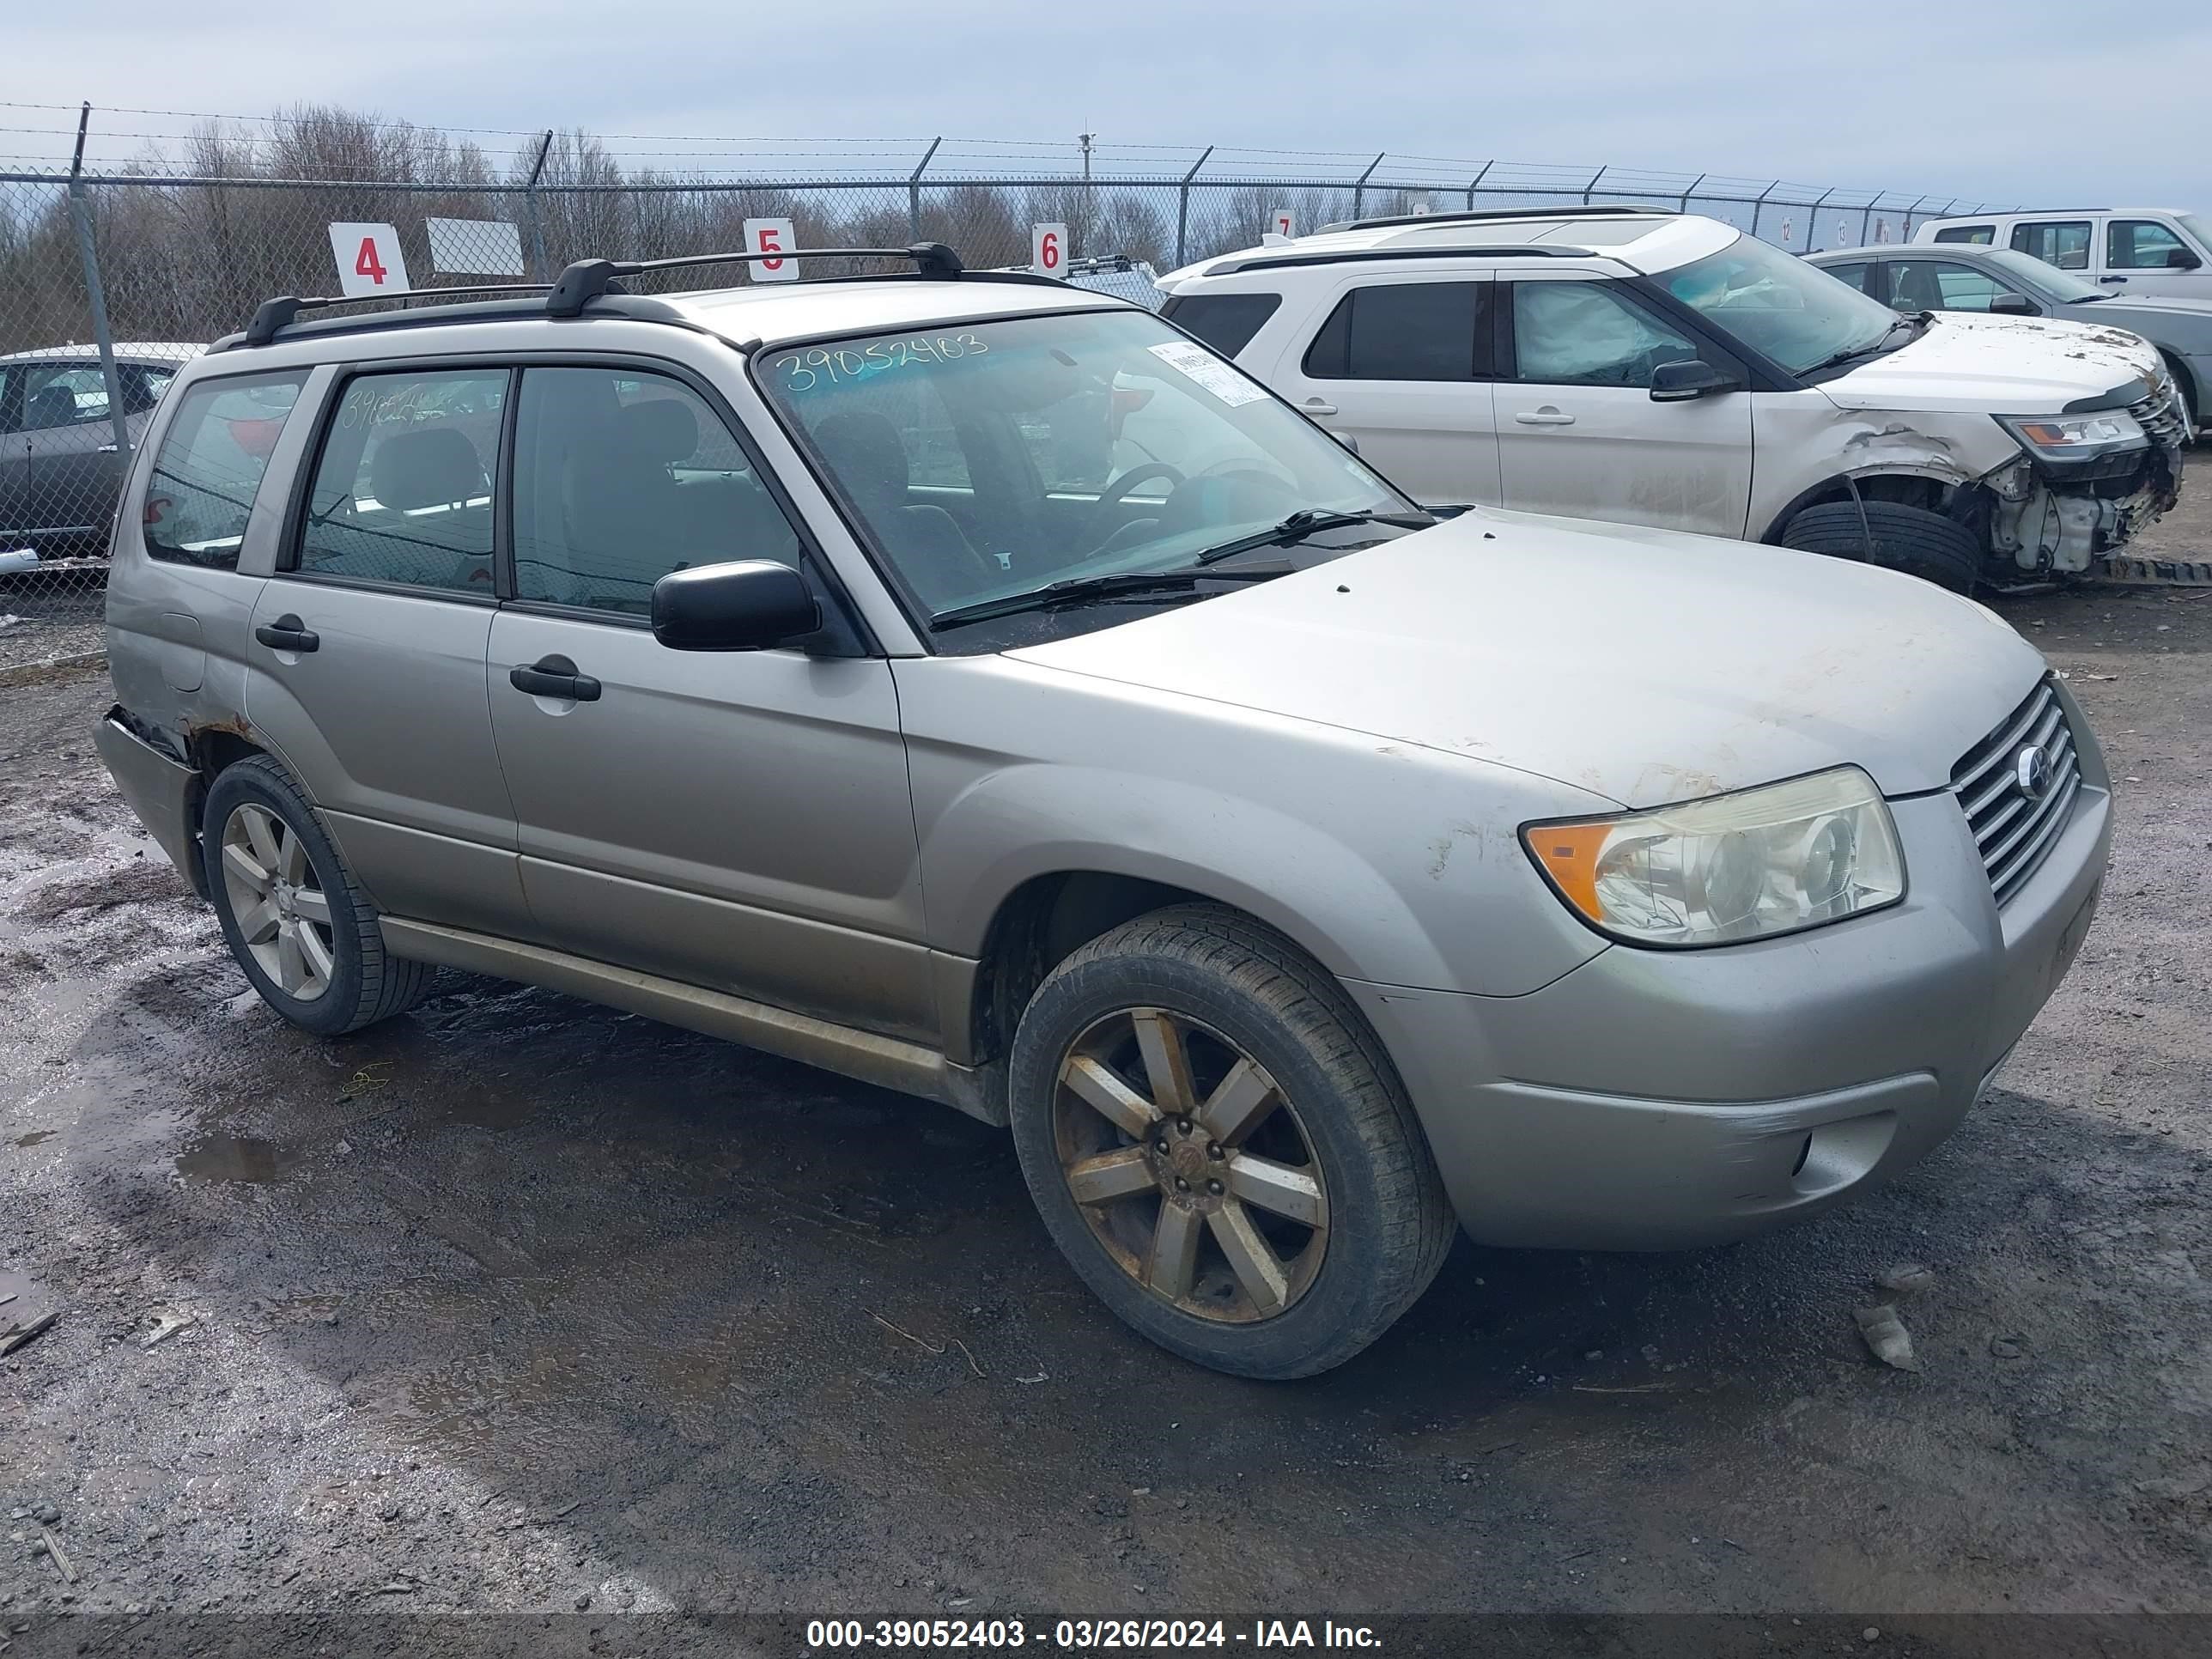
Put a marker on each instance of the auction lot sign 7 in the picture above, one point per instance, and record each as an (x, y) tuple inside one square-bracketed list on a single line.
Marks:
[(370, 260)]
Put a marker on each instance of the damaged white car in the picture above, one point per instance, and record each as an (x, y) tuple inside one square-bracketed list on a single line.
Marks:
[(1659, 368)]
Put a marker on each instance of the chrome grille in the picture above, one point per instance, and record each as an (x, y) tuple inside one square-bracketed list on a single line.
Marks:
[(2162, 415), (2014, 830)]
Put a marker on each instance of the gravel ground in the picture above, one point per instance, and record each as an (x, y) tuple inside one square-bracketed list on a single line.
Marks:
[(519, 1305)]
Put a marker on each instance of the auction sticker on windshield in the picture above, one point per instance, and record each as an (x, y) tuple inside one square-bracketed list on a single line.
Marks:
[(1196, 363)]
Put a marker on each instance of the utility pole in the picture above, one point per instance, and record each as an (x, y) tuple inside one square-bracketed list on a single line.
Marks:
[(1084, 141)]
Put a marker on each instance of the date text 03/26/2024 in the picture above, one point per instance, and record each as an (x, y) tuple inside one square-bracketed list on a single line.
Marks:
[(1086, 1635)]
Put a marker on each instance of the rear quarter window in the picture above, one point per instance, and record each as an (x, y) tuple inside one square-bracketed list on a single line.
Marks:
[(1227, 322), (210, 463), (1975, 235)]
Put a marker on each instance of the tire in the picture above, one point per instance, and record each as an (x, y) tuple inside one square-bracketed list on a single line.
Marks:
[(1316, 1127), (1910, 540), (342, 977)]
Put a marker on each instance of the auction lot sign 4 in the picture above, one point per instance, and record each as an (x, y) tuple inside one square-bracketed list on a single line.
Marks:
[(368, 259)]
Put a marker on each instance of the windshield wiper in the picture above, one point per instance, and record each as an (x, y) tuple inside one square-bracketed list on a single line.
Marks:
[(1916, 323), (1306, 521), (1121, 583)]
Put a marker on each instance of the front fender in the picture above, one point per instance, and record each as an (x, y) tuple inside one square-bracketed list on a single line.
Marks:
[(1386, 862)]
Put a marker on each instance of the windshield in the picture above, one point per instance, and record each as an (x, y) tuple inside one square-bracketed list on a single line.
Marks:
[(1797, 314), (2043, 282), (2197, 226), (985, 460)]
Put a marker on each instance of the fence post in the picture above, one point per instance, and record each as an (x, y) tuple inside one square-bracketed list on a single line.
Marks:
[(536, 214), (1757, 206), (914, 188), (1693, 191), (96, 297), (1475, 183), (1909, 212), (1359, 190), (1592, 186), (1866, 224), (1182, 206)]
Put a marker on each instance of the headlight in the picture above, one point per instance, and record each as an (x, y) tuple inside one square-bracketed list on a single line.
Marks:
[(1747, 865), (2075, 437)]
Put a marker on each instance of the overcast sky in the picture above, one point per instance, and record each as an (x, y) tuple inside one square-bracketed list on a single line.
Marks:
[(2049, 101)]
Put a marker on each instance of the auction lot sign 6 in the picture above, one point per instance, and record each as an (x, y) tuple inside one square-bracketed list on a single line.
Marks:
[(1048, 250), (370, 261)]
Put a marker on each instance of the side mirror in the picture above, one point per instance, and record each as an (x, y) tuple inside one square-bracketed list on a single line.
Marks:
[(1347, 440), (748, 605), (1691, 377), (2013, 305), (2181, 258)]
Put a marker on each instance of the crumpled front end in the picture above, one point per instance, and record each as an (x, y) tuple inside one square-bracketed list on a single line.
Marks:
[(2051, 519)]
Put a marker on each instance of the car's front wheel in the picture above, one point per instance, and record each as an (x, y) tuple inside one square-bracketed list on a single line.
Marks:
[(291, 912), (1219, 1148), (1910, 540)]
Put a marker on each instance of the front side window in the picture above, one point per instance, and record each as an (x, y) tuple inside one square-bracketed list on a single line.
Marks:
[(1195, 455), (2140, 245), (1973, 235), (403, 490), (1796, 314), (1854, 273), (1941, 285), (622, 476), (64, 394), (1227, 322), (210, 466), (1574, 333), (1404, 332), (2061, 242)]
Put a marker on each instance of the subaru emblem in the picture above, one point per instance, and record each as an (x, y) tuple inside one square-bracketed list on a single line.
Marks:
[(2031, 771)]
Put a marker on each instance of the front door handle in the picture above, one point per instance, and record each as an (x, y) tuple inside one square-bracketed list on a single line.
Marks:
[(2111, 279), (288, 633), (1315, 406), (553, 676), (1547, 415)]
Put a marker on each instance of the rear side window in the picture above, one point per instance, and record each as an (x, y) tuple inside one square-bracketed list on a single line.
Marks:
[(1405, 332), (403, 490), (2061, 242), (210, 466), (1227, 322), (1976, 236)]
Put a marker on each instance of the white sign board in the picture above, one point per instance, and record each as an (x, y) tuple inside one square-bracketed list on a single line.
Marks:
[(1281, 220), (1048, 250), (474, 247), (370, 260), (772, 236)]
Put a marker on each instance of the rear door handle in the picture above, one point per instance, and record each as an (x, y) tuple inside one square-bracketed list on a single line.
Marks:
[(288, 633), (1545, 416), (1315, 406), (553, 676), (2111, 279)]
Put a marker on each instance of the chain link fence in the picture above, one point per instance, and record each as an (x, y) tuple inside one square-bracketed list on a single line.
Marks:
[(111, 276)]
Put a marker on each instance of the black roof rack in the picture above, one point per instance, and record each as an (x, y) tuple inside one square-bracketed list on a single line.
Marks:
[(1360, 256), (585, 280), (1598, 210), (581, 283)]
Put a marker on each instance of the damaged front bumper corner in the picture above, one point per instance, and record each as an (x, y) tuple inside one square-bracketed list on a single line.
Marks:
[(2058, 520)]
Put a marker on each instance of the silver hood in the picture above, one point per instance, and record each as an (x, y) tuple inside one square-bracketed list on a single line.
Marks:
[(1641, 664)]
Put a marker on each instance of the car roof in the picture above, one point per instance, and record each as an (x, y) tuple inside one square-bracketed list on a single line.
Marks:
[(780, 313), (1644, 240), (2040, 213), (134, 351)]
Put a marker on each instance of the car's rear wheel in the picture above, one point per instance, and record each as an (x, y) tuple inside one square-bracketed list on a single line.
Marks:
[(1910, 540), (1219, 1148), (291, 912)]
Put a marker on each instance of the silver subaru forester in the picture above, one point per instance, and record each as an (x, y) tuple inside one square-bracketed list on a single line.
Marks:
[(974, 686)]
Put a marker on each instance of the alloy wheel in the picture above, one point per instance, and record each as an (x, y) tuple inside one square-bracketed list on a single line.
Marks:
[(1190, 1165), (282, 914)]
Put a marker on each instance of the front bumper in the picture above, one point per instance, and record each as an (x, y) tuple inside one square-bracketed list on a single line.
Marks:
[(1652, 1100)]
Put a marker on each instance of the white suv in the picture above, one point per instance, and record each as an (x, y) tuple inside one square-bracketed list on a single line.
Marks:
[(2158, 251), (1665, 370)]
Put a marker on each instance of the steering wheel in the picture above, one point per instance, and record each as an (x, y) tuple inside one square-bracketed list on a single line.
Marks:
[(1116, 492)]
